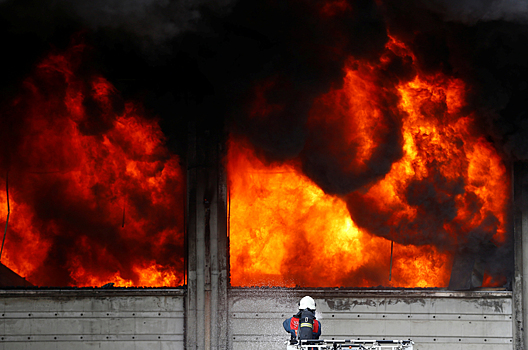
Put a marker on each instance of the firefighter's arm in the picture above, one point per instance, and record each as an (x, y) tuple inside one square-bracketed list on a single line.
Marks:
[(286, 325), (317, 329)]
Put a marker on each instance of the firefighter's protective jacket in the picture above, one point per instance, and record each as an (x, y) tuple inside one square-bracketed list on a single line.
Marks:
[(291, 325)]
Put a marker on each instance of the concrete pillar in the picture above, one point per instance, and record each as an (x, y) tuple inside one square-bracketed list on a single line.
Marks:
[(520, 229), (206, 304)]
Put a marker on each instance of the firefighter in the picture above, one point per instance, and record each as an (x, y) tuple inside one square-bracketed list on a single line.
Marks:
[(303, 324)]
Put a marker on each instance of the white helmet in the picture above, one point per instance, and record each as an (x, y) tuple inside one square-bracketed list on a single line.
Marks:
[(307, 303)]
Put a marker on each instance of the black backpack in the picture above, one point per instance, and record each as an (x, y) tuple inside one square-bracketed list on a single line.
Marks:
[(306, 324)]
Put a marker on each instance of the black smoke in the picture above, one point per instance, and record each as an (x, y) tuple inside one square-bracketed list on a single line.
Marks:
[(205, 57)]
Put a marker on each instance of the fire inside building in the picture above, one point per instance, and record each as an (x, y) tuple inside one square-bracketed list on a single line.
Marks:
[(179, 174)]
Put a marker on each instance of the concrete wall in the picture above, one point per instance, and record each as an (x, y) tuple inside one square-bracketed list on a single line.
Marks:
[(154, 318), (435, 320), (92, 319)]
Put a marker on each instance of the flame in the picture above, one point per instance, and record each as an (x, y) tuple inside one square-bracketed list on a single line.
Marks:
[(449, 178), (490, 281), (410, 168), (285, 231), (95, 195)]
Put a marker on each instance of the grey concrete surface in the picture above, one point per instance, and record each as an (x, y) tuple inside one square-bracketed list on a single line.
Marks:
[(206, 302), (520, 231), (92, 319), (433, 319)]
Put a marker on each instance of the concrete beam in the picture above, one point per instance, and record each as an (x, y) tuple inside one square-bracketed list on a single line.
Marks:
[(206, 317), (520, 229)]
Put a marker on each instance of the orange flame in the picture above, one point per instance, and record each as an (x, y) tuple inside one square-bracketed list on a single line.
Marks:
[(285, 231), (95, 195), (446, 185)]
